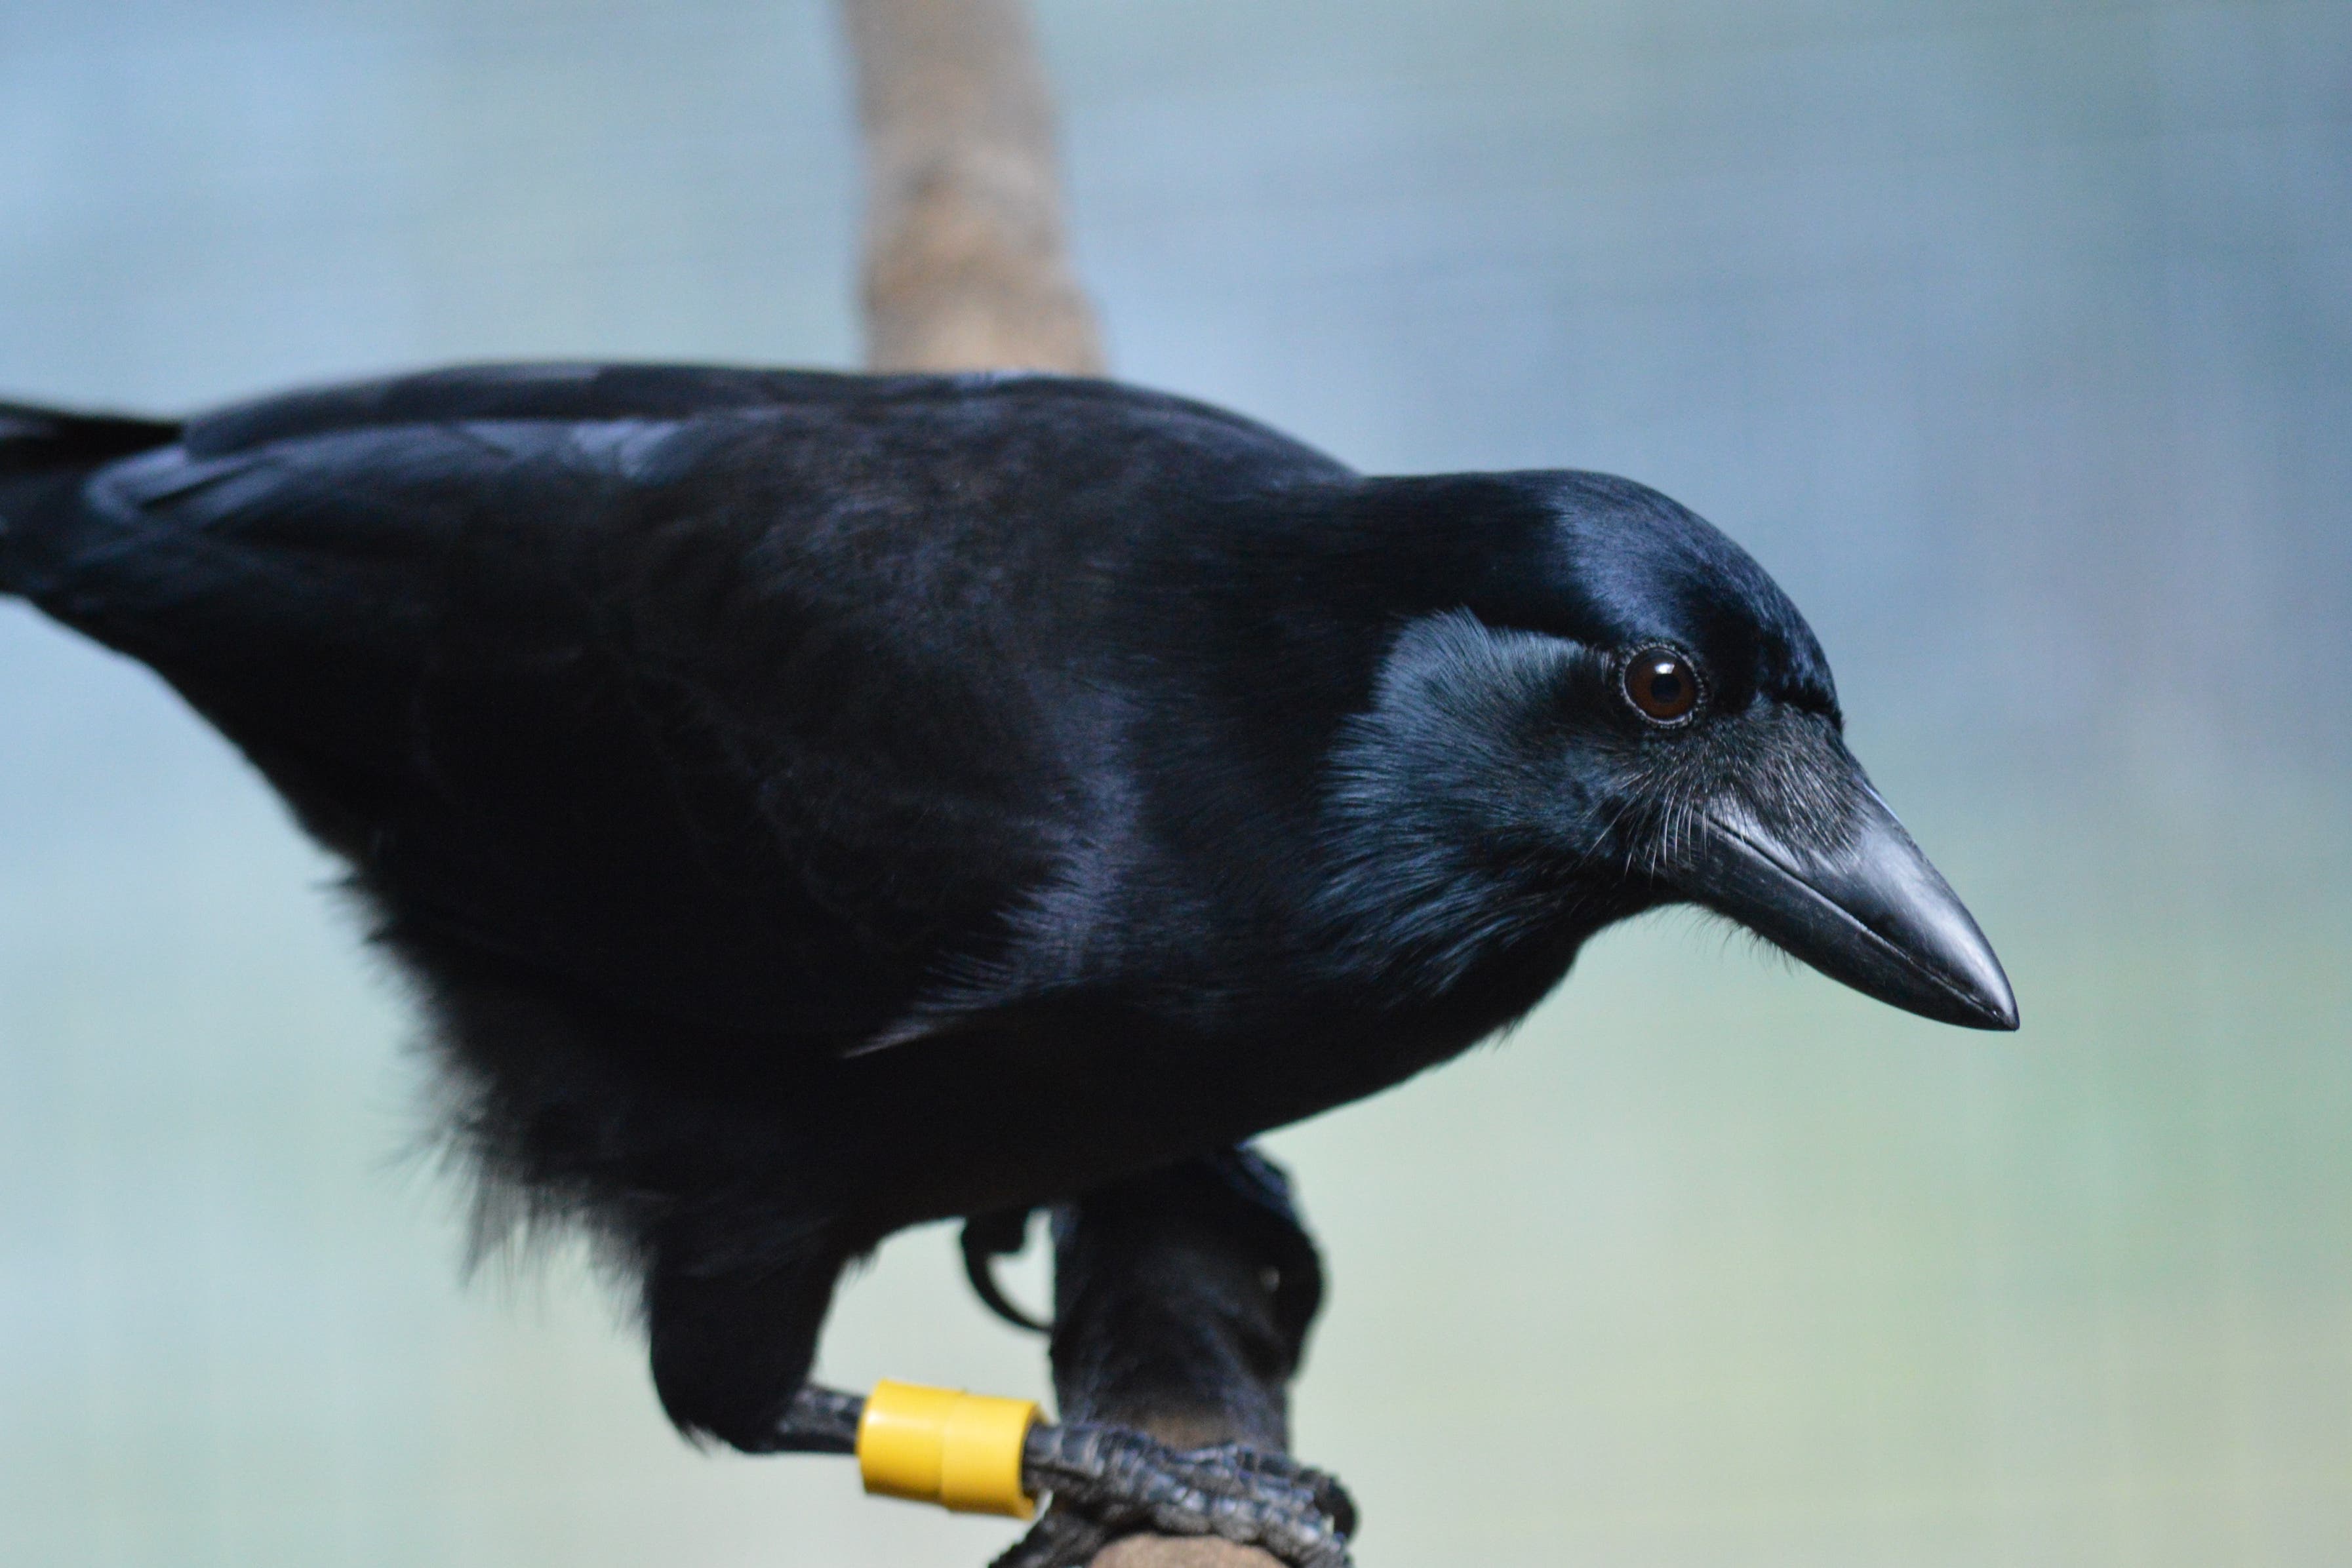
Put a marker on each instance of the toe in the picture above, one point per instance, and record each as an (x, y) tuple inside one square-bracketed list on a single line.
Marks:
[(1126, 1481)]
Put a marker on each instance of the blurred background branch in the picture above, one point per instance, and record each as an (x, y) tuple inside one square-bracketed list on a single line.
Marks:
[(966, 263)]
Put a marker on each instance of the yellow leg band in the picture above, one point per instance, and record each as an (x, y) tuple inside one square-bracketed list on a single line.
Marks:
[(959, 1450)]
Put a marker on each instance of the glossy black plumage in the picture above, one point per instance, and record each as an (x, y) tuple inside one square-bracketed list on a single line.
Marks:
[(814, 804)]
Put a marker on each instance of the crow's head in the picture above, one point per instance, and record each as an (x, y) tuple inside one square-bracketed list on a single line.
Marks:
[(1605, 705)]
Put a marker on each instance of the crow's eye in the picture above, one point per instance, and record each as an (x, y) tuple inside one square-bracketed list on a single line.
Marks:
[(1662, 684)]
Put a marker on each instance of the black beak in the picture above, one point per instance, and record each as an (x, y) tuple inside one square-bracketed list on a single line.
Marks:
[(1868, 911)]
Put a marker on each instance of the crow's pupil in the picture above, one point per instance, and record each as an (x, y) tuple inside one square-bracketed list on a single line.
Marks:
[(1662, 686)]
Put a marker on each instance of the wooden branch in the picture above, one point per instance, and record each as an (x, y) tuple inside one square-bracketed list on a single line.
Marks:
[(1181, 1552), (966, 263)]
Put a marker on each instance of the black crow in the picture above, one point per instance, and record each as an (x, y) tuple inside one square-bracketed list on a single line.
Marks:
[(815, 804)]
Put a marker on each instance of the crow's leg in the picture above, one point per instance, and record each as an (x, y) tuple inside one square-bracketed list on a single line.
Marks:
[(1182, 1304), (553, 1101), (734, 1303)]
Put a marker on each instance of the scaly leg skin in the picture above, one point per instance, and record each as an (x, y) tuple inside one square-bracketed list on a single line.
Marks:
[(1113, 1481), (819, 1420), (1182, 1304)]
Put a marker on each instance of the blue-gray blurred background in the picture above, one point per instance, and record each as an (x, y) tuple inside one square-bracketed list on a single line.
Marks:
[(2014, 337)]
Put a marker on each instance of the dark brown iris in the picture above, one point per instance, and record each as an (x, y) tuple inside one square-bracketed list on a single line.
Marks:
[(1662, 684)]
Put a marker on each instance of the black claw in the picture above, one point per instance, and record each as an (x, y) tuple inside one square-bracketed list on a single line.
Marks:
[(987, 1237), (1335, 1500)]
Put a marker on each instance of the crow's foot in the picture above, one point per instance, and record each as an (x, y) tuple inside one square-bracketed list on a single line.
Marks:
[(1109, 1481)]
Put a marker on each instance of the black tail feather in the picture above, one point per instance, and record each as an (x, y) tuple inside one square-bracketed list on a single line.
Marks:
[(43, 455), (43, 440)]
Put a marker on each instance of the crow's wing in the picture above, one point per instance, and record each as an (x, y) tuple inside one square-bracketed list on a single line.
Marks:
[(743, 697)]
